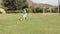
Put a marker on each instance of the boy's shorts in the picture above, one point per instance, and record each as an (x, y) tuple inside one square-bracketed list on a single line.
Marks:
[(24, 15)]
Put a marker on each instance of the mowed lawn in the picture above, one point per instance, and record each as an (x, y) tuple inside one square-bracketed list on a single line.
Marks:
[(34, 24)]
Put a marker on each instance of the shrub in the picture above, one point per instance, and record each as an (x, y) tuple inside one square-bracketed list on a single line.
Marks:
[(29, 10), (39, 10)]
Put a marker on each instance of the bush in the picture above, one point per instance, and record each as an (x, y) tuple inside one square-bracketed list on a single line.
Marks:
[(29, 10), (15, 11), (39, 10), (2, 10)]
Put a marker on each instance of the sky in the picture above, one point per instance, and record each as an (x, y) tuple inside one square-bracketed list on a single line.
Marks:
[(51, 2)]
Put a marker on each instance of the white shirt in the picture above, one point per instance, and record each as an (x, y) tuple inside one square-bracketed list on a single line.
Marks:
[(24, 13)]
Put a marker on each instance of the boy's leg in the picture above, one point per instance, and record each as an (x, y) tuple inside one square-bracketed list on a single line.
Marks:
[(24, 18)]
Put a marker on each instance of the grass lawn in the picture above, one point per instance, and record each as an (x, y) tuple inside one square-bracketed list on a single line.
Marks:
[(34, 24)]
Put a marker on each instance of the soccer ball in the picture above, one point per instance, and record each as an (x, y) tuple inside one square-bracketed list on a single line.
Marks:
[(21, 19)]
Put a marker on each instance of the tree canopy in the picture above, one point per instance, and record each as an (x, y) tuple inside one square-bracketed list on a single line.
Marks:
[(15, 4)]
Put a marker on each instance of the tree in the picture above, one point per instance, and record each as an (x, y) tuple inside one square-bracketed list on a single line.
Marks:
[(20, 4), (59, 5), (15, 4)]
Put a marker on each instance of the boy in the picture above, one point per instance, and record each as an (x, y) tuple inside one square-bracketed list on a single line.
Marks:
[(24, 14)]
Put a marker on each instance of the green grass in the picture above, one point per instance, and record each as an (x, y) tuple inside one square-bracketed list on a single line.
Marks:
[(34, 24)]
